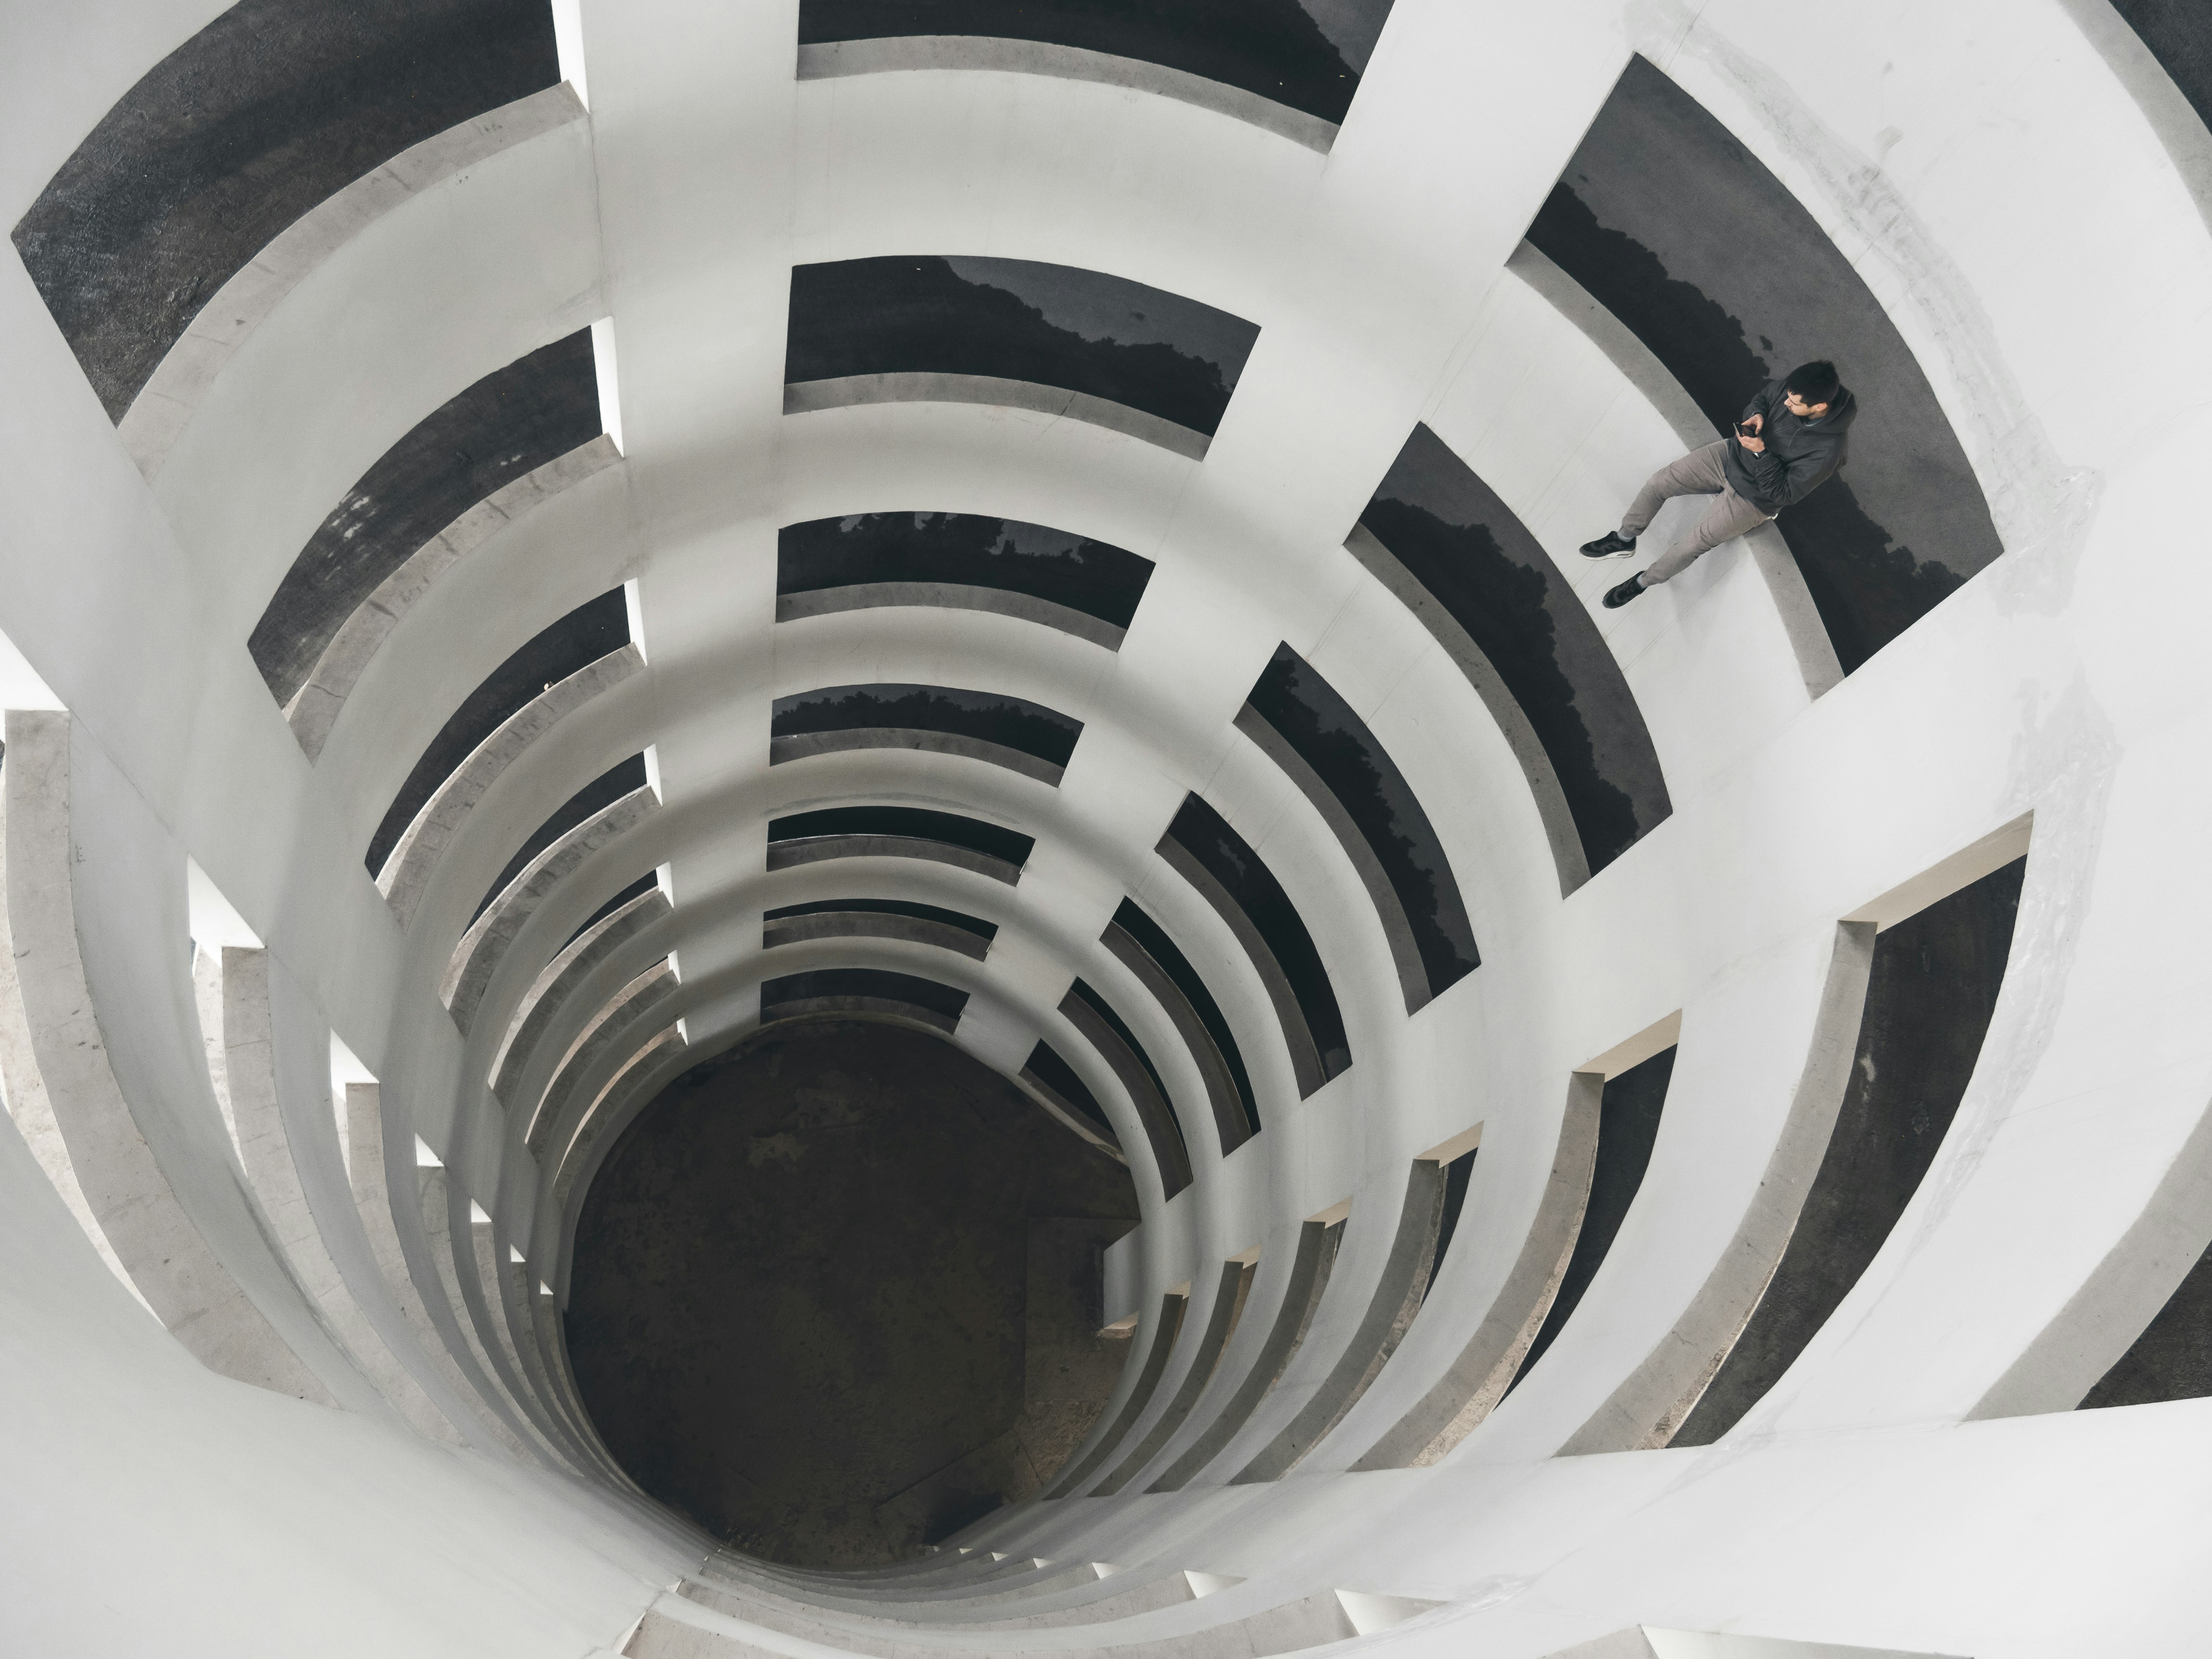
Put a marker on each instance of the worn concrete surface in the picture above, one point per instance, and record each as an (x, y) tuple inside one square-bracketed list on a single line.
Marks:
[(258, 118), (833, 1293)]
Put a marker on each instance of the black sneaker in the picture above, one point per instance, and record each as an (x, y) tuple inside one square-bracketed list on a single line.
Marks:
[(1622, 594), (1611, 546)]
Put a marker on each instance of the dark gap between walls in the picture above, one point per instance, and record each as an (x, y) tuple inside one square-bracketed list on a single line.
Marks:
[(1305, 57), (1015, 319), (1474, 556), (1627, 1128), (962, 550), (1307, 712), (621, 779), (1225, 856), (590, 631), (1931, 990), (1152, 939), (1011, 722)]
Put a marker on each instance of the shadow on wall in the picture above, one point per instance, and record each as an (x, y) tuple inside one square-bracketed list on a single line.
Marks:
[(912, 1239), (1678, 229), (272, 107)]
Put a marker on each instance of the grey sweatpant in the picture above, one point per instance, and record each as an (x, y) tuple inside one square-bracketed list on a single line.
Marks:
[(1698, 473)]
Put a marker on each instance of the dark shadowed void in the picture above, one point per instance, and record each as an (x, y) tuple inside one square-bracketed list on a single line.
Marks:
[(835, 1293)]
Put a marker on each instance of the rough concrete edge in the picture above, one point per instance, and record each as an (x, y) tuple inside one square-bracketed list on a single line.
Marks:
[(1167, 1328), (830, 59), (1212, 1064), (172, 394), (434, 1185), (1155, 1112), (1479, 1375), (845, 391), (2123, 1293), (781, 750), (474, 1264), (1389, 1314), (1312, 1263), (872, 924), (605, 1028), (172, 1264), (469, 970), (366, 1170), (1655, 1400), (1297, 1037), (313, 711), (1389, 911), (1222, 1315), (247, 1033), (28, 1104), (819, 849), (949, 596), (407, 870), (1513, 723), (549, 990)]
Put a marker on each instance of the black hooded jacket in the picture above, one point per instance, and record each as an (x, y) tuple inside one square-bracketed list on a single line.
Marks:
[(1800, 455)]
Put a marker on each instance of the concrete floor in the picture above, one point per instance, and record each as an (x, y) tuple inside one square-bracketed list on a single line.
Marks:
[(834, 1292)]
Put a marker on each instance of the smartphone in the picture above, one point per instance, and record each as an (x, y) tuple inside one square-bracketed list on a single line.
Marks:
[(1746, 430)]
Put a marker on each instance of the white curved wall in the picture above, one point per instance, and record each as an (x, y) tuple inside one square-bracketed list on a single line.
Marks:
[(2021, 222)]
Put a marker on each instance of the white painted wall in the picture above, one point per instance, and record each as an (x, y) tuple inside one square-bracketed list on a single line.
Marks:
[(2004, 197)]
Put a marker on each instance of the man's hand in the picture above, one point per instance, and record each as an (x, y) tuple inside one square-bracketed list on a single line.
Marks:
[(1752, 444)]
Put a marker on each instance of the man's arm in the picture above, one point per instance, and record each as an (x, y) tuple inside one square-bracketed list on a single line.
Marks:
[(1787, 483), (1762, 405)]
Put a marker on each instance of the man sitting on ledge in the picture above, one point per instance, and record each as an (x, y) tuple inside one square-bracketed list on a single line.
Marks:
[(1789, 441)]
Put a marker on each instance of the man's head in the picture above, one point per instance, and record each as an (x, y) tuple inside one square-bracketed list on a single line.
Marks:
[(1810, 388)]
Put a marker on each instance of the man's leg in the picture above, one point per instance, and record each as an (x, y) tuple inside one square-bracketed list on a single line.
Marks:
[(1698, 473), (1729, 517)]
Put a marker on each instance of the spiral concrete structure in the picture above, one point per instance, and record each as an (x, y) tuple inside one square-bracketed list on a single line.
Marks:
[(539, 545)]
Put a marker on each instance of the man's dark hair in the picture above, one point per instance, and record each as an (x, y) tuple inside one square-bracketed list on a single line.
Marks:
[(1815, 382)]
